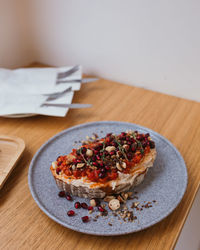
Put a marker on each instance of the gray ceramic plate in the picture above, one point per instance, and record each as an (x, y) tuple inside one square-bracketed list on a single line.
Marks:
[(166, 182)]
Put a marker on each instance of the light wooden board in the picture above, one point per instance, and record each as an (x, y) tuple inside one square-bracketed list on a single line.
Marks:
[(11, 149), (24, 226)]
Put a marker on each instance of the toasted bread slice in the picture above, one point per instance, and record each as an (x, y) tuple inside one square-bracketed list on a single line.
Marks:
[(79, 175)]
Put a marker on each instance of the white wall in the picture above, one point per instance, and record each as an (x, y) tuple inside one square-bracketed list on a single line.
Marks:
[(153, 44), (14, 39)]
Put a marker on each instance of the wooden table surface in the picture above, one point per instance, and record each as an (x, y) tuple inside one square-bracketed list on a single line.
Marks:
[(23, 225)]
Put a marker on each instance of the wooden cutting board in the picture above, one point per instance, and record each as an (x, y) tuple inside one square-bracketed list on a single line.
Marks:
[(11, 149)]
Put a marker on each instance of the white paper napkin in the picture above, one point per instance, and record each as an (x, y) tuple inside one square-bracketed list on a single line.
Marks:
[(32, 104), (23, 91), (37, 80)]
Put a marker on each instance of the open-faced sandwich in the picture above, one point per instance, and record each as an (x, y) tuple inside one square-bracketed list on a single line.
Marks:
[(109, 165)]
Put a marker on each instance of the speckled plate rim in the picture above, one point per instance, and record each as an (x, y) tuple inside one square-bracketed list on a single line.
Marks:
[(91, 232)]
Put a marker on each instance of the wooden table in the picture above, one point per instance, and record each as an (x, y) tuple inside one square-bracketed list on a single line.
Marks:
[(24, 225)]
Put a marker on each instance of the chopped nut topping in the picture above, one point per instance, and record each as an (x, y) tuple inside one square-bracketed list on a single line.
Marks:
[(89, 152), (93, 203), (80, 165), (93, 167), (135, 204), (114, 204), (110, 148), (123, 164), (121, 200), (119, 154), (118, 166), (126, 147), (125, 196), (70, 158), (93, 137), (109, 198), (130, 194)]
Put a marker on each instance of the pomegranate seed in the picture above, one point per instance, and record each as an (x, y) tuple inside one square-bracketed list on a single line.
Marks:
[(77, 205), (114, 144), (97, 147), (112, 152), (133, 148), (58, 170), (129, 156), (85, 219), (98, 157), (61, 194), (123, 133), (74, 161), (109, 134), (59, 163), (103, 170), (95, 164), (94, 158), (90, 208), (101, 209), (83, 150), (122, 137), (109, 139), (144, 144), (101, 164), (84, 205), (68, 197), (107, 167), (70, 213), (97, 202), (152, 144), (139, 137), (101, 175), (96, 152)]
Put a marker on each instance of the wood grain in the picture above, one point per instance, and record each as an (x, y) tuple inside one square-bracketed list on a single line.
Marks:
[(11, 149), (24, 226)]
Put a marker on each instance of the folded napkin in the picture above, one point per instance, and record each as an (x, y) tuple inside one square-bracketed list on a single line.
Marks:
[(38, 80), (23, 91), (32, 104)]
